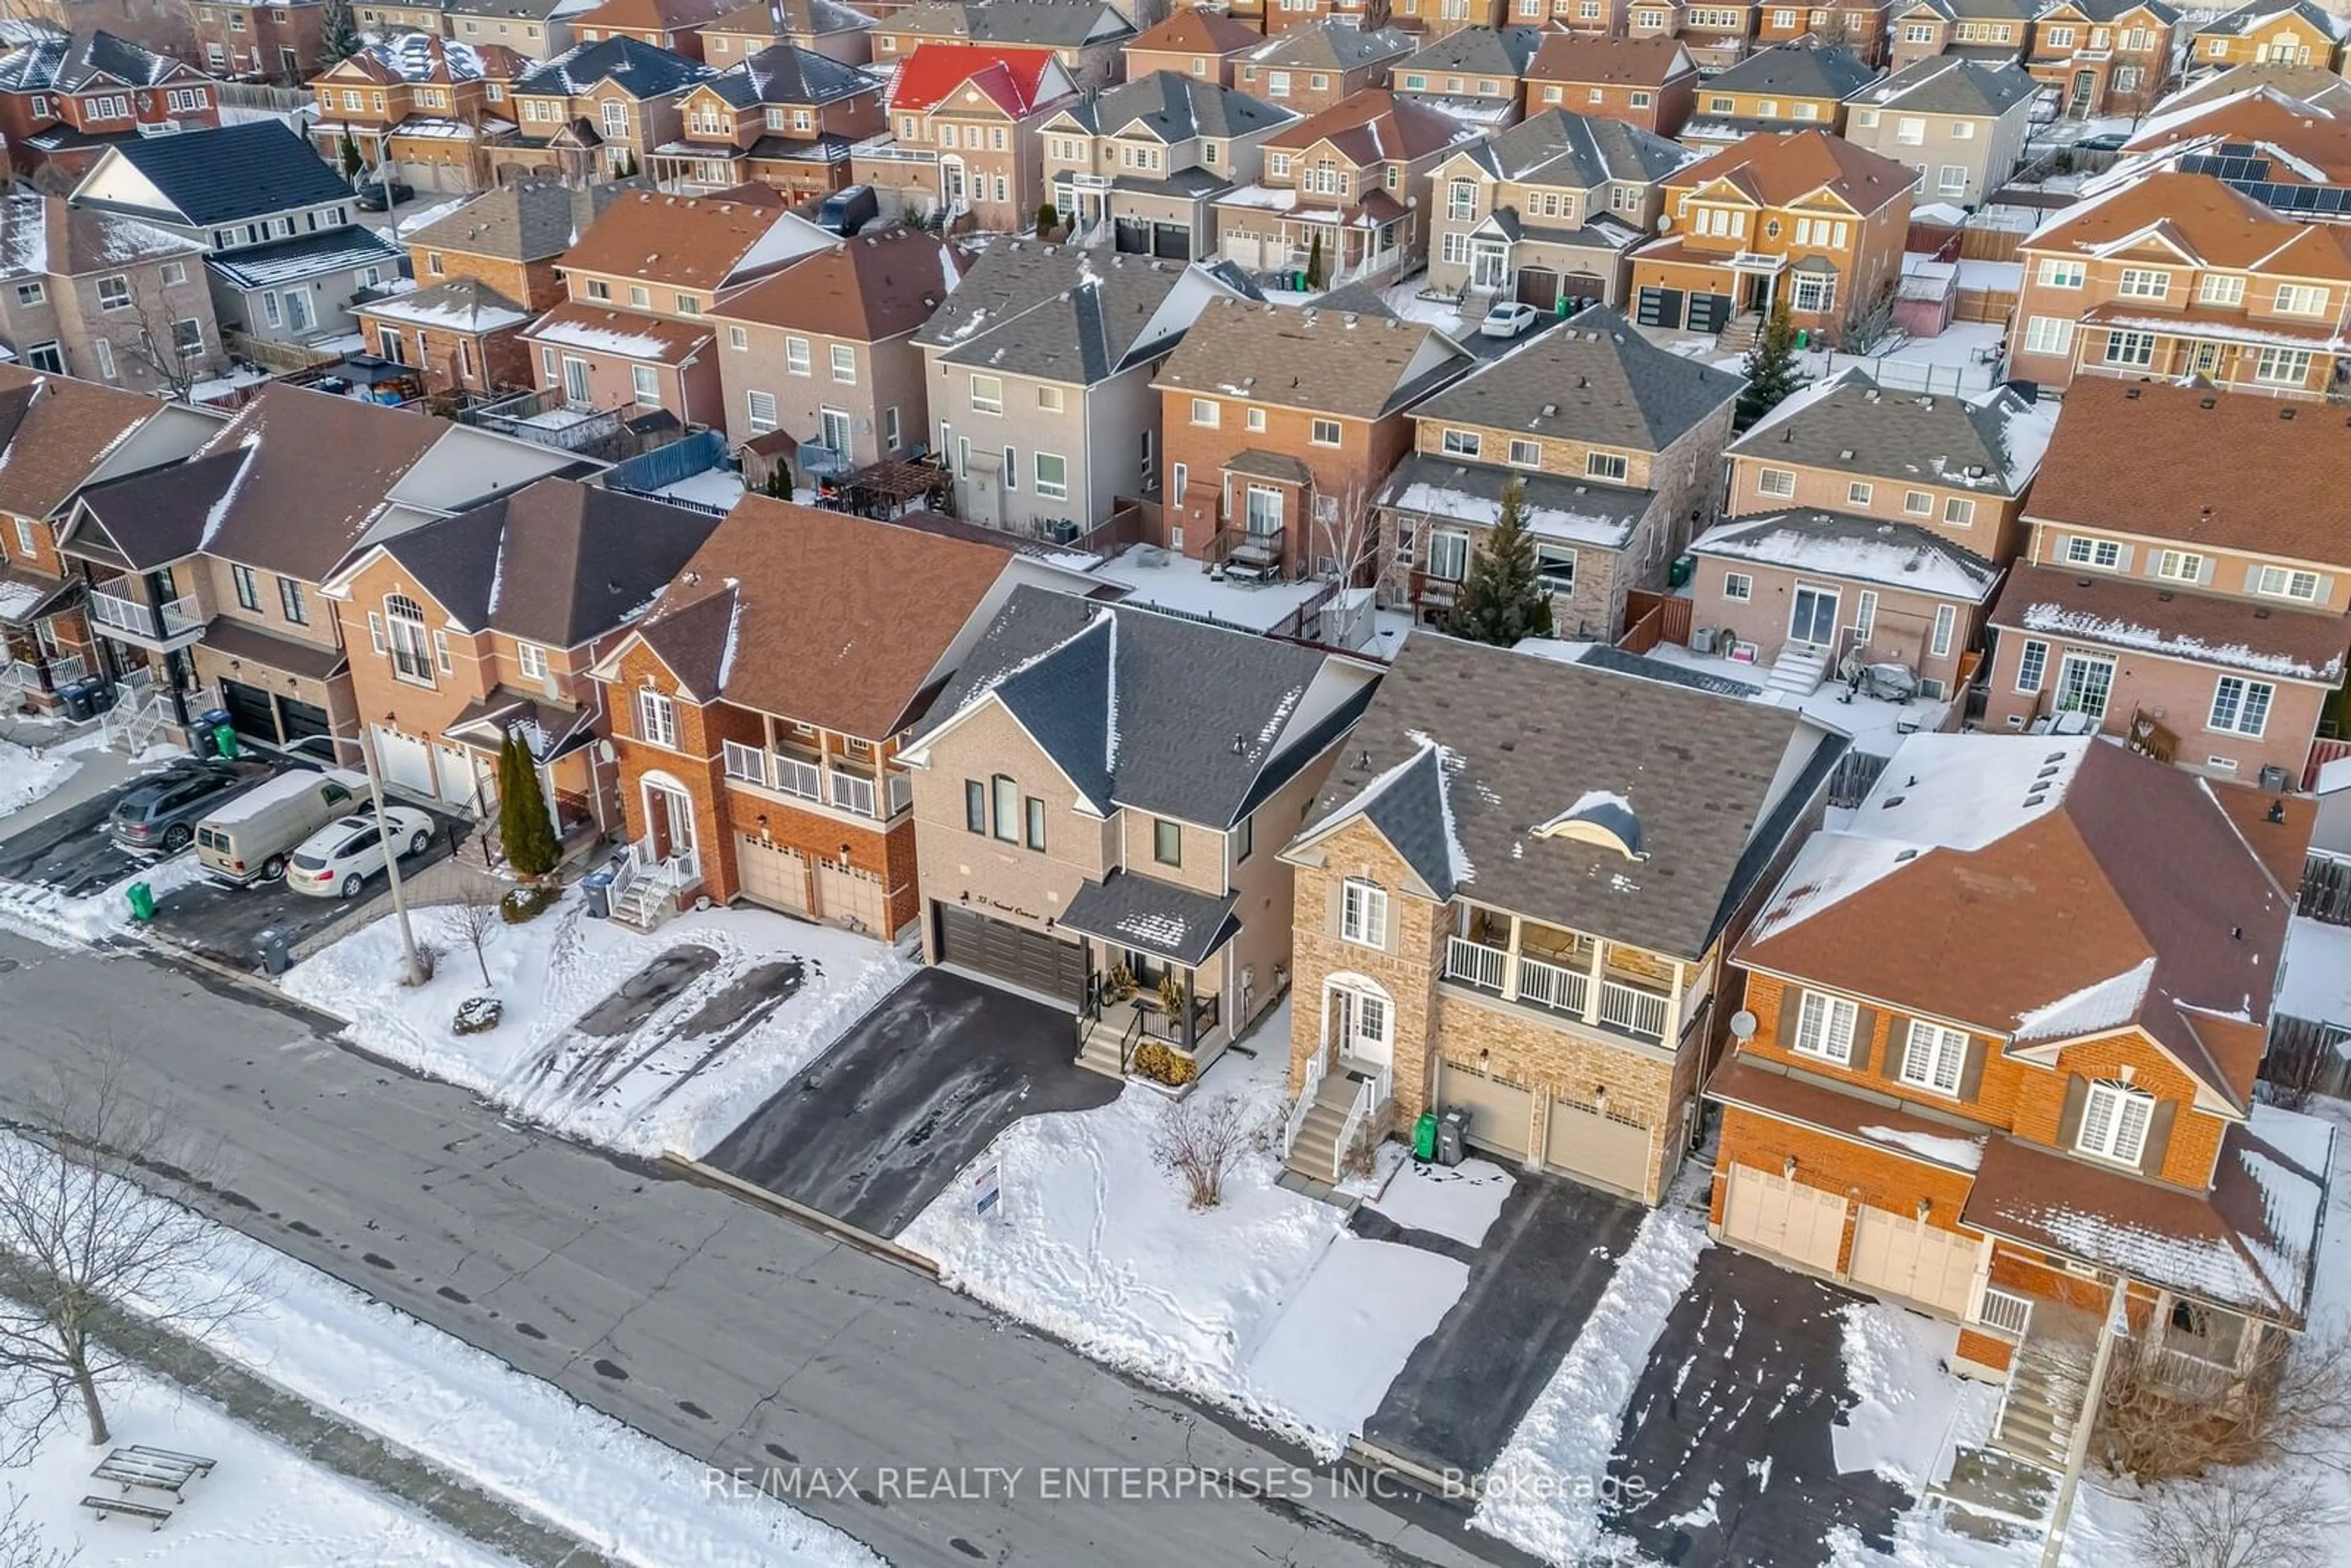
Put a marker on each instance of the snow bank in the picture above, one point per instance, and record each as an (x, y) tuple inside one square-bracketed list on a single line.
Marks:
[(1909, 1413), (26, 776), (48, 915), (1329, 1357)]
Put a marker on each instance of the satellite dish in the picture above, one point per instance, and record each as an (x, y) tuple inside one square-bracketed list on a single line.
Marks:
[(1665, 221), (1742, 1025)]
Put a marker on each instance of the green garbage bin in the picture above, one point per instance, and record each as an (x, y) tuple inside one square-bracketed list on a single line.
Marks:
[(1423, 1137), (1803, 338), (142, 901), (1683, 569), (224, 739)]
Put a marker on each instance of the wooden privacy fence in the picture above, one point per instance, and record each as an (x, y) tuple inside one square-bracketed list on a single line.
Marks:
[(1654, 617), (2325, 890), (1856, 771), (2307, 1055)]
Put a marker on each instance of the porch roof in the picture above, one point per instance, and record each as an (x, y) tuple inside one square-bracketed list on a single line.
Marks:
[(2200, 627), (26, 596), (1257, 463), (231, 639), (1157, 918), (1792, 1094), (1555, 506), (482, 723), (1865, 550)]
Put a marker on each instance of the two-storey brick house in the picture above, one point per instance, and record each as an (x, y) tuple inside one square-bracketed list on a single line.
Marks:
[(1084, 37), (785, 116), (1802, 83), (1649, 83), (1476, 74), (1859, 26), (1515, 896), (1614, 446), (2105, 57), (1936, 1101), (1870, 525), (1548, 211), (964, 131), (278, 41), (1350, 185), (1805, 216), (469, 628), (1142, 163), (2177, 276), (599, 109), (104, 297), (1718, 35), (1203, 44), (2161, 600), (2268, 33), (1989, 32), (1959, 123), (1099, 824), (1279, 426), (434, 109), (1312, 69), (673, 25), (833, 28), (64, 99), (761, 709)]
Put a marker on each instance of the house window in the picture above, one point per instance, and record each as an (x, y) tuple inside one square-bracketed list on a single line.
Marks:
[(1606, 466), (105, 353), (1525, 454), (1166, 842), (1007, 809), (890, 437), (47, 357), (31, 294), (1555, 565), (1738, 586), (1825, 1027), (2063, 273), (2180, 565), (644, 384), (974, 806), (1053, 476), (1253, 419), (531, 660), (2282, 367), (1776, 482), (687, 305), (1048, 400), (598, 288), (114, 293), (1323, 432), (2283, 583), (1010, 468), (2219, 289), (1449, 555), (1033, 817), (1460, 198), (1178, 474), (1959, 512), (844, 364), (2130, 349), (2103, 554), (656, 719), (1814, 293), (759, 407), (2048, 335), (987, 394), (639, 295), (2241, 706), (290, 603), (796, 356), (1953, 181), (1461, 444), (411, 650), (2114, 1118), (1947, 618), (1206, 412), (2143, 283), (248, 597), (2032, 664), (1364, 913)]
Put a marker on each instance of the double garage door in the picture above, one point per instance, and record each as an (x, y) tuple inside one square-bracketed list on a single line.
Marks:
[(1578, 1140), (1894, 1254), (1014, 954), (1673, 309), (1141, 236), (249, 710), (783, 878)]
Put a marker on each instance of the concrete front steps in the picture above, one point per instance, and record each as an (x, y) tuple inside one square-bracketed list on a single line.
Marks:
[(1315, 1155), (1741, 335), (1799, 670), (1100, 1054), (2042, 1404)]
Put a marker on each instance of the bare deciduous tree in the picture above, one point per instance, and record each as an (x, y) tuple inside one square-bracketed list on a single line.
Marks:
[(1201, 1140), (21, 1545), (147, 332), (475, 915), (2263, 1517), (2164, 1418), (83, 1238)]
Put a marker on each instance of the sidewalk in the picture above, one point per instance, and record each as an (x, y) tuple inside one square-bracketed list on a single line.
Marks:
[(97, 769)]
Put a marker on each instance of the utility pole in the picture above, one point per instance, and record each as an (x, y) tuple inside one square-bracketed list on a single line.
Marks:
[(2117, 1325), (413, 971)]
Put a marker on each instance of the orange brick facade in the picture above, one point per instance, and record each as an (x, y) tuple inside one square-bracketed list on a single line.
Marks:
[(1877, 1177)]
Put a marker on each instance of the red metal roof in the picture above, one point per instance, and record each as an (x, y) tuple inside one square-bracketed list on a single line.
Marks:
[(1012, 77)]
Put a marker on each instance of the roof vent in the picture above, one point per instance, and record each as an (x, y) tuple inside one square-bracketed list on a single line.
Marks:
[(2132, 394), (1975, 470), (2055, 756), (1236, 743), (1910, 854), (1549, 410), (2286, 413), (1845, 454), (2050, 772), (2207, 403)]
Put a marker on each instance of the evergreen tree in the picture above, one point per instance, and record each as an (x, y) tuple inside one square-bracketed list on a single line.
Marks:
[(1314, 262), (523, 825), (339, 35), (352, 162), (1047, 218), (1502, 599), (1772, 372), (779, 480)]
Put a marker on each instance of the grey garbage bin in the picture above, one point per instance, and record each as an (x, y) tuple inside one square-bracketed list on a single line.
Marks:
[(275, 959), (1452, 1135), (596, 890), (76, 700)]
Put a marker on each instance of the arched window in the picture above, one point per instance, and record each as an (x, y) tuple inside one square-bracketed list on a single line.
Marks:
[(2115, 1119), (411, 645)]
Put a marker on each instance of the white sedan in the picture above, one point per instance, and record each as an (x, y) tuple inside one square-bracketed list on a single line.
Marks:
[(337, 861), (1508, 321)]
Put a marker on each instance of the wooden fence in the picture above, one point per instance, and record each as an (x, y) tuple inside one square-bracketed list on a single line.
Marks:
[(1856, 772), (2322, 750), (1654, 617), (2305, 1055), (2325, 890)]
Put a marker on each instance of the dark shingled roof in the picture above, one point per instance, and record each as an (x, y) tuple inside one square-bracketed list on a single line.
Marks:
[(1558, 147), (1059, 312), (529, 222), (1991, 444), (785, 73), (233, 172), (1493, 51), (1946, 85), (640, 69), (1179, 924), (1177, 108), (1801, 67), (1602, 380)]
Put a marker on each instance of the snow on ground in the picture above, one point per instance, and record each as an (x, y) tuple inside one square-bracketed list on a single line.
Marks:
[(1461, 1201), (1953, 361), (2315, 981), (262, 1504), (1094, 1243), (26, 775), (1543, 1491), (1181, 585), (1340, 1341), (48, 915), (1911, 1413), (719, 487), (1875, 726), (656, 1095)]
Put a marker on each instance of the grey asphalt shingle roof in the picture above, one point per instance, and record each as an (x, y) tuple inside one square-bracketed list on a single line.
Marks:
[(1331, 45), (1945, 85), (1061, 24), (1494, 52), (1057, 312), (1116, 694), (344, 249), (785, 73), (640, 69), (1502, 742), (1992, 443), (1596, 379), (1177, 108), (70, 63), (1558, 147), (531, 221), (1132, 910), (2245, 19), (234, 172), (1801, 67)]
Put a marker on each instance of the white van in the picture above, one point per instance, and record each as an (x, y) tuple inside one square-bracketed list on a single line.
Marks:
[(247, 840)]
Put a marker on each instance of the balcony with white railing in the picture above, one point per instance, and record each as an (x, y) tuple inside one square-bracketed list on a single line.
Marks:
[(118, 608), (785, 773), (2004, 1313), (1557, 972)]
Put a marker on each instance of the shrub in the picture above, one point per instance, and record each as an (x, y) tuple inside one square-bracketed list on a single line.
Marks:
[(1165, 1064), (521, 905), (477, 1015), (1201, 1140)]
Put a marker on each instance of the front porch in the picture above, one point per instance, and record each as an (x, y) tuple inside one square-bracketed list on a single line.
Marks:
[(1158, 957), (661, 869)]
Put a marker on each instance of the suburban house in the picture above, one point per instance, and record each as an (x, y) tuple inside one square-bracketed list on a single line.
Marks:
[(535, 29), (599, 109), (285, 255), (1434, 18), (1649, 83), (65, 98), (1803, 82), (1989, 32), (1142, 163), (1805, 217), (785, 116), (1279, 426), (103, 296), (1581, 18), (1856, 24), (2105, 57), (1318, 67), (2162, 599), (2178, 274), (1872, 525), (1473, 74), (2313, 85), (1349, 186), (466, 629), (1088, 811), (823, 352), (1039, 370), (1204, 44), (434, 110), (673, 25), (1615, 446), (1518, 904), (838, 32), (636, 331), (1084, 36), (761, 707), (209, 575), (1959, 123), (278, 41), (1548, 211), (2268, 33), (1933, 1100), (64, 435), (1717, 35), (964, 127), (2288, 152)]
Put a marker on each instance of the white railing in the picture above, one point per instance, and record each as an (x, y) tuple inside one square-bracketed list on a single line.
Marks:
[(1474, 962), (853, 792), (1634, 1010), (119, 613), (2005, 1312), (1370, 1095), (1302, 1104), (794, 777), (902, 792), (1553, 985), (633, 864)]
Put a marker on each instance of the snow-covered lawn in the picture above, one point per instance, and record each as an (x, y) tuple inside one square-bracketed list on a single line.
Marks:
[(263, 1503), (26, 775), (1176, 582), (1460, 1201), (48, 915), (2315, 983), (653, 1090), (720, 488)]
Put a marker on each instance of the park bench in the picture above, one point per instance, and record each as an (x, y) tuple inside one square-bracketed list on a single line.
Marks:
[(154, 1514)]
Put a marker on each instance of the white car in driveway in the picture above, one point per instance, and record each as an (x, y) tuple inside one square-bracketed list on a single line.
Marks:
[(1508, 321), (337, 861)]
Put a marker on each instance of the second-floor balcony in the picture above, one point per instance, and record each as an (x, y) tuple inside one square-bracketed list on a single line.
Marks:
[(806, 775), (1568, 976), (121, 608)]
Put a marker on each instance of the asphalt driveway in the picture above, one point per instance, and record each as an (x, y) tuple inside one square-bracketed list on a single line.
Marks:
[(1726, 1443), (880, 1125), (70, 851), (1536, 1278)]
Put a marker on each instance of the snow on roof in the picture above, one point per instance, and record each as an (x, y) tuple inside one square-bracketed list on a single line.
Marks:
[(1897, 557), (2107, 1004), (2203, 1266), (446, 313), (2024, 432), (2056, 618), (1549, 522), (1155, 930), (2291, 1198), (226, 501), (2315, 975), (1449, 763), (1965, 1153), (734, 633), (582, 335), (2334, 774)]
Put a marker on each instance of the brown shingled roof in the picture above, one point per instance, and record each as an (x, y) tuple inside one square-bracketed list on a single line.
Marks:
[(1374, 126), (687, 242), (53, 431), (1328, 362), (2214, 224), (1778, 168), (2205, 628), (1634, 62), (1201, 32), (878, 285)]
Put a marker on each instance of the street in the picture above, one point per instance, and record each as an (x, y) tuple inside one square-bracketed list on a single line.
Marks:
[(730, 1333)]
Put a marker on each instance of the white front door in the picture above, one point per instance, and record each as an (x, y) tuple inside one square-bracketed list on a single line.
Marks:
[(1488, 267), (669, 820), (299, 315), (1362, 1025)]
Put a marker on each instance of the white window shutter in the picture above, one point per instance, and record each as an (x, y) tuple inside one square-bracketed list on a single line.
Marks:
[(375, 630), (441, 651)]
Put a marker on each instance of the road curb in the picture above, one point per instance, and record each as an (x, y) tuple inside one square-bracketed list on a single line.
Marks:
[(881, 1247), (1448, 1489)]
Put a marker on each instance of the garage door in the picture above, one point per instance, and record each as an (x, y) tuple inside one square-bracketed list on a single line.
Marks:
[(453, 767), (849, 896), (405, 764), (771, 874), (1502, 1113), (1243, 251), (302, 719), (1708, 312), (1584, 1142), (1658, 307), (1172, 240), (1130, 235), (1538, 286), (1781, 1214), (1585, 289), (1921, 1262), (249, 710), (1029, 959)]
